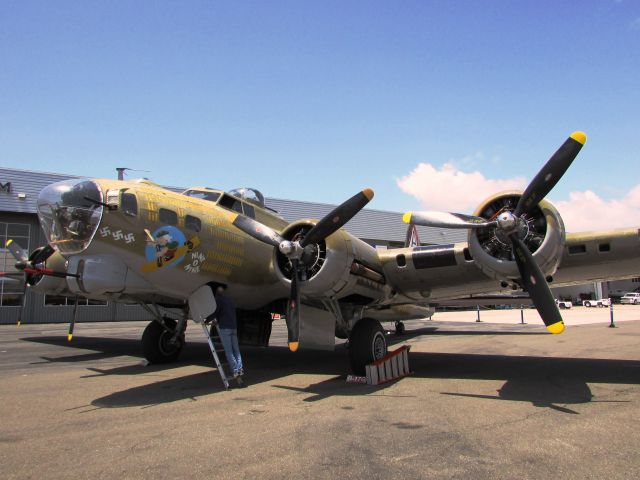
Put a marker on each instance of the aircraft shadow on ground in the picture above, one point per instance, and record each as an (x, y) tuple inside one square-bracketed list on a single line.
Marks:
[(108, 347), (542, 381), (435, 330)]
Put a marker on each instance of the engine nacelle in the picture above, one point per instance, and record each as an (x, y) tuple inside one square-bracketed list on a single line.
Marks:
[(47, 284), (541, 229), (341, 266)]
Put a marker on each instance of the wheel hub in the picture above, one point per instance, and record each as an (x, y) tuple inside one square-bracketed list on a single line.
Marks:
[(167, 347), (379, 347)]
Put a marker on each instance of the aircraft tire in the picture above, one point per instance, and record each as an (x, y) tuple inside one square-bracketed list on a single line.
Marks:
[(367, 343), (155, 343)]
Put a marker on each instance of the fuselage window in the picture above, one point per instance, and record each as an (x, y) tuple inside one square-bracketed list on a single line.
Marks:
[(249, 211), (577, 249), (129, 204), (168, 216), (192, 223)]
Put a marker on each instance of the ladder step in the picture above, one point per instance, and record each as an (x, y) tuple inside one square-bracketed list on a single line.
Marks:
[(217, 347)]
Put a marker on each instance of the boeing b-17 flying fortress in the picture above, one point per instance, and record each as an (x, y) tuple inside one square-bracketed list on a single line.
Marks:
[(134, 241)]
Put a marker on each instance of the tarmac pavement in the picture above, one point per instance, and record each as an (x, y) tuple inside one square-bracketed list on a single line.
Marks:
[(494, 399)]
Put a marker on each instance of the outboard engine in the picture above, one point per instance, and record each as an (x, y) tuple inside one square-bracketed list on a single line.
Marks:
[(541, 229)]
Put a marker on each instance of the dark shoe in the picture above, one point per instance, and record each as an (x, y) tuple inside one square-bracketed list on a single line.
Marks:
[(241, 384)]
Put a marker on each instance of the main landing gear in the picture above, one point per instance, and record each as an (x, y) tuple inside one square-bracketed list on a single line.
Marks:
[(367, 343), (163, 339)]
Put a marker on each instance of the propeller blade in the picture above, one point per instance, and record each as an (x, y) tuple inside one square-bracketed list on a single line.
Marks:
[(338, 217), (551, 173), (41, 255), (445, 220), (22, 259), (293, 310), (536, 285), (23, 300), (73, 320), (17, 251), (51, 273), (258, 230)]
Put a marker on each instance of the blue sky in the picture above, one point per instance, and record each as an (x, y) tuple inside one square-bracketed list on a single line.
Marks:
[(316, 100)]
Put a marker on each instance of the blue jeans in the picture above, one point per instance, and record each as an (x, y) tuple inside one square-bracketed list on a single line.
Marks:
[(229, 339)]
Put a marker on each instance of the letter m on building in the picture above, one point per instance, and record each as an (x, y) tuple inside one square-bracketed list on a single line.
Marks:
[(5, 187)]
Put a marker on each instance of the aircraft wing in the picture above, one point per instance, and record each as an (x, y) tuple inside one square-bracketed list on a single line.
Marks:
[(442, 273)]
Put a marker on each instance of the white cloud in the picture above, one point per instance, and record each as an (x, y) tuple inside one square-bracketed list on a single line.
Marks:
[(587, 211), (452, 190)]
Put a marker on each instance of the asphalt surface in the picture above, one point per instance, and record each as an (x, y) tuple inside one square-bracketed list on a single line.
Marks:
[(486, 401)]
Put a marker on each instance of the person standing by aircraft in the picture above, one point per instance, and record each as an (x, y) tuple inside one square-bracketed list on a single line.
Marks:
[(225, 316)]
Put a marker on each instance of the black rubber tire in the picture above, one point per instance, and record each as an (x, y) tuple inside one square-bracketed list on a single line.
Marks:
[(367, 343), (400, 328), (155, 343), (587, 304)]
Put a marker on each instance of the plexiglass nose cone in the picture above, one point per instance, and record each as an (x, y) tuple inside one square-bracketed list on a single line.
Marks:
[(70, 213)]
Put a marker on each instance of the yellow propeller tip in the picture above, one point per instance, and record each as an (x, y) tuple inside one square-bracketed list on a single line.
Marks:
[(368, 193), (406, 218), (579, 137), (18, 324), (69, 337), (293, 346), (8, 242), (556, 328)]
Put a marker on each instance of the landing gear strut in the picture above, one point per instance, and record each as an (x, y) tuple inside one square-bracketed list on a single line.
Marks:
[(163, 342), (367, 343)]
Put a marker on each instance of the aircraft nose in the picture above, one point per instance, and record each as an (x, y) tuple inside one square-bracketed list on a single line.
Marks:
[(70, 212)]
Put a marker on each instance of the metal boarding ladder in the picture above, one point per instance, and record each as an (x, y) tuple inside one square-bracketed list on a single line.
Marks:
[(214, 352)]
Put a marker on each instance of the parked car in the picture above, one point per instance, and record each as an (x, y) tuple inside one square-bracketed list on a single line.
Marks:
[(563, 304), (632, 298), (603, 302)]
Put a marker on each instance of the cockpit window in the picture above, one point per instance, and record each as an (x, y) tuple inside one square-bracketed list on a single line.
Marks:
[(231, 203), (70, 213), (249, 211), (203, 195)]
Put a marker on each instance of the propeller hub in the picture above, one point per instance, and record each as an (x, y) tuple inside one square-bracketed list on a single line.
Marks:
[(291, 249), (21, 265), (507, 222)]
